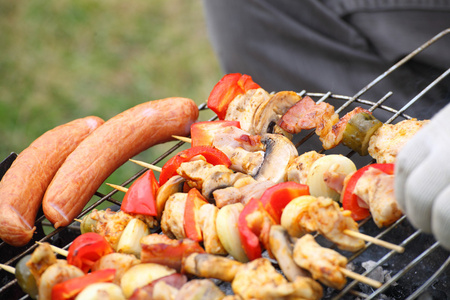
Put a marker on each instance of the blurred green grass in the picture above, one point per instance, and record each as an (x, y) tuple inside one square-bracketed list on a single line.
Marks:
[(62, 60)]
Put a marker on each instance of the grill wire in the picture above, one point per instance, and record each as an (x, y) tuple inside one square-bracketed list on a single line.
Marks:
[(421, 271)]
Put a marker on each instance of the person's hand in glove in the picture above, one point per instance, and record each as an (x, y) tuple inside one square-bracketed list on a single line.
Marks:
[(422, 178)]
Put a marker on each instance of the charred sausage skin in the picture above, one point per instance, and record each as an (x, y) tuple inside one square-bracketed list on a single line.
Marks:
[(23, 186), (118, 140)]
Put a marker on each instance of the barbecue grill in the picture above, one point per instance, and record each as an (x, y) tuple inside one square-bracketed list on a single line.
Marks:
[(422, 271)]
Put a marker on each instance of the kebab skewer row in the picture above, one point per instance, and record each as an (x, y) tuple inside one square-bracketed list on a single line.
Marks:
[(390, 246), (370, 239), (287, 113), (325, 176)]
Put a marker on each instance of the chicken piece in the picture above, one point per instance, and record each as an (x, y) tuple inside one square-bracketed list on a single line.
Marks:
[(56, 273), (196, 172), (376, 189), (331, 137), (199, 289), (41, 258), (172, 220), (245, 152), (331, 221), (207, 216), (387, 141), (324, 264), (110, 224), (298, 170), (258, 279), (243, 108), (241, 194), (119, 261)]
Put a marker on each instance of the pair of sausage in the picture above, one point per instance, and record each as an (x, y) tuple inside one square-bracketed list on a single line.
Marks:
[(24, 184), (65, 188)]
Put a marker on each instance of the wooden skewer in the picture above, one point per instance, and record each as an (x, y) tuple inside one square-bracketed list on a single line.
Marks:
[(146, 165), (118, 187), (57, 250), (361, 278), (8, 268), (375, 241), (78, 220), (182, 138)]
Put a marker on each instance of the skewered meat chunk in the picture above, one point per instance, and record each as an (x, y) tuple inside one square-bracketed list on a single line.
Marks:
[(241, 194), (299, 168), (308, 214), (207, 178), (258, 279), (376, 189), (211, 241), (331, 221), (245, 152), (306, 114), (41, 258), (387, 141), (121, 262), (197, 171), (172, 221), (323, 263), (110, 224)]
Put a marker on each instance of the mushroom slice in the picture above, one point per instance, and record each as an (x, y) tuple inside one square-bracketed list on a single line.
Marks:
[(172, 186), (268, 113), (281, 248), (244, 106), (278, 156), (219, 180)]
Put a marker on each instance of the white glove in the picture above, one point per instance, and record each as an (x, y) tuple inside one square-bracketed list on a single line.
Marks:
[(422, 178)]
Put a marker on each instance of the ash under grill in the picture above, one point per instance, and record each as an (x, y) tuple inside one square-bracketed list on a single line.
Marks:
[(421, 272)]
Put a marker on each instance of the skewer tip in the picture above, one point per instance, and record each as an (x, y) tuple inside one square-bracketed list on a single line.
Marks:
[(182, 138)]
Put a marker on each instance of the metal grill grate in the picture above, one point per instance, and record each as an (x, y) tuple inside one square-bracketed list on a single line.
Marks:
[(423, 269)]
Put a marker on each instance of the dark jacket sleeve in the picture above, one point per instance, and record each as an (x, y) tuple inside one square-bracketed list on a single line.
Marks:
[(333, 45)]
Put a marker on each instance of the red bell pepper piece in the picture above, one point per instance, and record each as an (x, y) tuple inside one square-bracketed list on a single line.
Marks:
[(191, 223), (141, 196), (276, 198), (230, 86), (254, 225), (350, 200), (86, 249), (69, 289), (211, 154), (202, 133)]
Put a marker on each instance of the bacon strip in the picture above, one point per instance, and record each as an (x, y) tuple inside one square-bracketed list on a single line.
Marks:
[(306, 114)]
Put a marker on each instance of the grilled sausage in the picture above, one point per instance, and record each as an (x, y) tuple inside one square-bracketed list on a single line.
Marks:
[(23, 185), (99, 155)]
